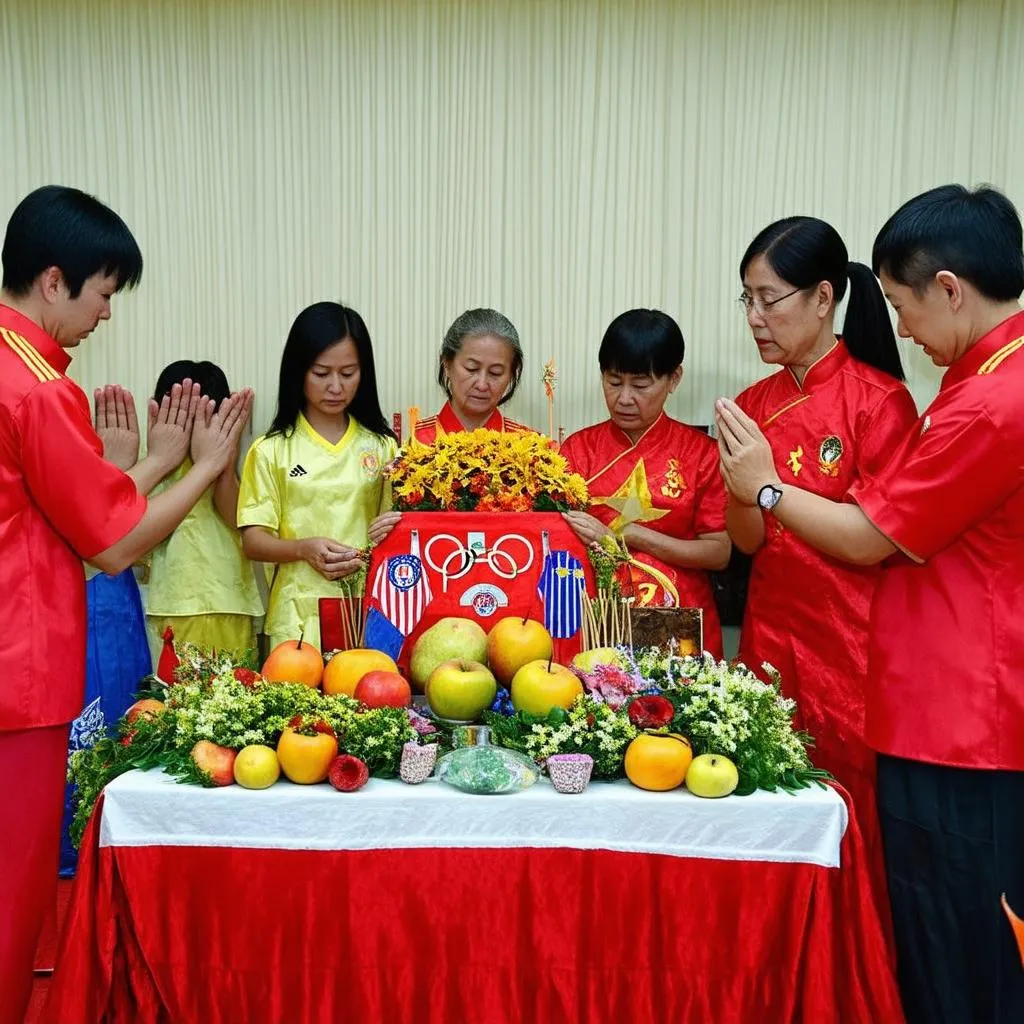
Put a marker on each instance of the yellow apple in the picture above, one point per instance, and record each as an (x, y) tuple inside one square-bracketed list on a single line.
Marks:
[(712, 775), (512, 642), (540, 686), (257, 767), (449, 639), (460, 691), (587, 661)]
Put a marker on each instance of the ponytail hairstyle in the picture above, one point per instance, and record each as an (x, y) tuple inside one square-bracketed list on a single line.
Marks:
[(316, 329), (805, 251)]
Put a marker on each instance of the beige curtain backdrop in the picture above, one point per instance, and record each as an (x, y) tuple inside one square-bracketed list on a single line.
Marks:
[(559, 161)]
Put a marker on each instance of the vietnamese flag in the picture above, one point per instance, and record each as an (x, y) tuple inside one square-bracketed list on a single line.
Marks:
[(1018, 927)]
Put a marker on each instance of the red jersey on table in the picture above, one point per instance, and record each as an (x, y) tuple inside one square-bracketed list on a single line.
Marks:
[(673, 471), (60, 503), (946, 684), (447, 422), (482, 566), (807, 614)]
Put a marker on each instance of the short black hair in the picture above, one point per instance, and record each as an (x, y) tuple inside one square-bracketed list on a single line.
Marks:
[(642, 341), (973, 234), (209, 376), (57, 226)]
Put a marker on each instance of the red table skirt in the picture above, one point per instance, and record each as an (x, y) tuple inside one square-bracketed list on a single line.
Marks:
[(218, 934)]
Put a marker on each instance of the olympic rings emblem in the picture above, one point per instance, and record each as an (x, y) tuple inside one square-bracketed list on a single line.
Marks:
[(460, 559)]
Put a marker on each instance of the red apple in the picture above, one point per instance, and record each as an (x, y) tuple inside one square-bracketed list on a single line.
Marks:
[(380, 689), (217, 762)]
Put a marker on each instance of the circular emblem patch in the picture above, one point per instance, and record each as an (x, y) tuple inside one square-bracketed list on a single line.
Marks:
[(404, 571), (370, 462), (829, 454)]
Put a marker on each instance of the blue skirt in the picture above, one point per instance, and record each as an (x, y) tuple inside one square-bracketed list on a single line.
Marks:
[(117, 659)]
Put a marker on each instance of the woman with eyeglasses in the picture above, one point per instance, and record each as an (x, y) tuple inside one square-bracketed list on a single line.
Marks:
[(833, 414)]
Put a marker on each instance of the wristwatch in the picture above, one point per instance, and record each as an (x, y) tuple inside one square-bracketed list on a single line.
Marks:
[(768, 497)]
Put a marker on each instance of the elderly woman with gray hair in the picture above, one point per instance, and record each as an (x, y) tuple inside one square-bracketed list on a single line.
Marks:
[(479, 367)]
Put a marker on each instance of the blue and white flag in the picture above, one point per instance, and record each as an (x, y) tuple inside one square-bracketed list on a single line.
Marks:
[(561, 588)]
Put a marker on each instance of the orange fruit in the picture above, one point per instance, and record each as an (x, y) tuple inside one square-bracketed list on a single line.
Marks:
[(658, 761), (306, 759), (147, 708), (294, 661), (346, 668)]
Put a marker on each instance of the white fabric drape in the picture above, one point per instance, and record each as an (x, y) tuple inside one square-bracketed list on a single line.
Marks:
[(151, 809), (559, 161)]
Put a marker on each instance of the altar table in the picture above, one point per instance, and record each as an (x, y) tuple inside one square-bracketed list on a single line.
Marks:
[(420, 903)]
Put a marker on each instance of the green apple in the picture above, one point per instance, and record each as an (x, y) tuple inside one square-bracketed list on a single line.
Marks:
[(460, 691), (512, 642), (448, 639), (711, 775), (587, 661), (540, 686)]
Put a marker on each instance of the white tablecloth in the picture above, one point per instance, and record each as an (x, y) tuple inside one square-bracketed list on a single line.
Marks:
[(151, 809)]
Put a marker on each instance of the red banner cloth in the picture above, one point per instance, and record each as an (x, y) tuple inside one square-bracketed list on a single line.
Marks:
[(220, 935), (483, 592)]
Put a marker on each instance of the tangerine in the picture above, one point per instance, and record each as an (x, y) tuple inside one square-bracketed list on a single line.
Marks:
[(658, 761)]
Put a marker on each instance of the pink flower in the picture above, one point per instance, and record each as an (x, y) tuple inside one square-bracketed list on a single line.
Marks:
[(420, 723), (610, 684)]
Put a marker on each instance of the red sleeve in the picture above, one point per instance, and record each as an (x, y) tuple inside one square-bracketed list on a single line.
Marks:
[(942, 482), (883, 430), (571, 452), (710, 498), (87, 500)]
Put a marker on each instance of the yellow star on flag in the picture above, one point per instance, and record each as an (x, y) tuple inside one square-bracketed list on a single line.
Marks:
[(632, 501)]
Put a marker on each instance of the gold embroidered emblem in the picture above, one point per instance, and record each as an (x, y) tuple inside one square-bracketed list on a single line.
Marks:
[(829, 454), (674, 484), (794, 460)]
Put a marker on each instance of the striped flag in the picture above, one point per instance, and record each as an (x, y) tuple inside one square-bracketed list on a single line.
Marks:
[(561, 588), (402, 591)]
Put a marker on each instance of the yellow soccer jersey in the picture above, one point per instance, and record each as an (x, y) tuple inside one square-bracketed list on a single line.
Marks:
[(201, 569), (300, 485)]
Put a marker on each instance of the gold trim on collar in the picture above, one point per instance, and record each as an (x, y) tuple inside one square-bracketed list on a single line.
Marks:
[(997, 358), (778, 412)]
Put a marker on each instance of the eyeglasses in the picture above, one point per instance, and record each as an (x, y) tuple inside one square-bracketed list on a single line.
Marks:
[(748, 302)]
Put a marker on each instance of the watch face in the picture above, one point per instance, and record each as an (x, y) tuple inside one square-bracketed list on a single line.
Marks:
[(768, 497)]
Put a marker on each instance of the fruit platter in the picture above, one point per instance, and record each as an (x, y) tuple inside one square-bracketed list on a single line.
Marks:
[(490, 702)]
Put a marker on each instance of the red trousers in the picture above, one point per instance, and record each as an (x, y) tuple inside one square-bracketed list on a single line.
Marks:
[(32, 766)]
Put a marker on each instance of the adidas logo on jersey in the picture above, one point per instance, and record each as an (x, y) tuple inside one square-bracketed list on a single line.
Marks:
[(297, 470)]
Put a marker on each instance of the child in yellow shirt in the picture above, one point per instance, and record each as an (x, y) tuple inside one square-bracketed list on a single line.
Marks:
[(314, 482), (200, 582)]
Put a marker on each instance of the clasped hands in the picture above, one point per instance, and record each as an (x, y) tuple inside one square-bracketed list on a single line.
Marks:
[(182, 423), (745, 457)]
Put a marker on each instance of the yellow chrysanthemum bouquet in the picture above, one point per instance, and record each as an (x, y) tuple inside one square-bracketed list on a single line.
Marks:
[(484, 471)]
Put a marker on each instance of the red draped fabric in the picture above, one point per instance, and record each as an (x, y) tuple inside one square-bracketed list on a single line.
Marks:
[(222, 935)]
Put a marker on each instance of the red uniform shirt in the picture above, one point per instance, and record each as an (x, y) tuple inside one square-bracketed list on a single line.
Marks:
[(674, 469), (60, 503), (447, 422), (947, 639), (808, 614)]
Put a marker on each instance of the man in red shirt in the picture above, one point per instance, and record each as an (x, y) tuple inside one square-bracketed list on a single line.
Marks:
[(945, 708), (65, 254)]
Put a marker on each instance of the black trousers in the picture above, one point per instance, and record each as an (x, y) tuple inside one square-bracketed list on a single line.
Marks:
[(954, 841)]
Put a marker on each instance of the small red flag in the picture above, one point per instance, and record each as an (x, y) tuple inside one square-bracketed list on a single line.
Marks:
[(168, 658)]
